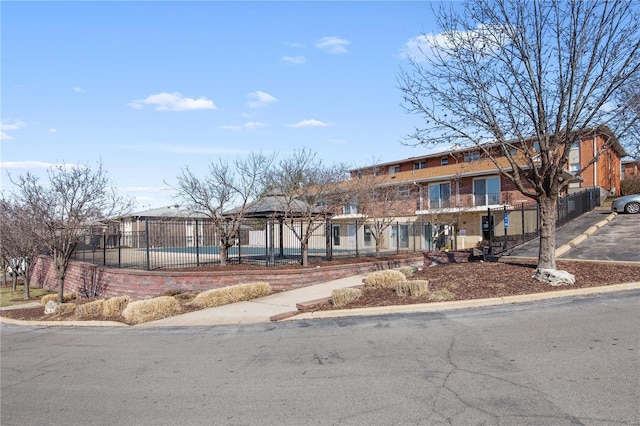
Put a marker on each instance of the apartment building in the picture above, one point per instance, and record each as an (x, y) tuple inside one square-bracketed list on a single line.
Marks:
[(447, 195)]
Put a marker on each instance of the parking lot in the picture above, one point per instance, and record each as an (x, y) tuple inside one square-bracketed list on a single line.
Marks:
[(619, 240)]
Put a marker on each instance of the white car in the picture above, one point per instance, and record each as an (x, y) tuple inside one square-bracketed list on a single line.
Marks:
[(628, 204)]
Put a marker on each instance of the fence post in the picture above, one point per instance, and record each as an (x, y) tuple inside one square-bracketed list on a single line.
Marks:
[(104, 249), (328, 239), (119, 250), (522, 217), (146, 232), (197, 244), (356, 237), (489, 225), (506, 235)]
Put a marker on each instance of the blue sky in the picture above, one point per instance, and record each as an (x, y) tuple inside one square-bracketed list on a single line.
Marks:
[(150, 87)]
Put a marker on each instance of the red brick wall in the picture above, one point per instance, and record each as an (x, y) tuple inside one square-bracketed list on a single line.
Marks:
[(139, 284)]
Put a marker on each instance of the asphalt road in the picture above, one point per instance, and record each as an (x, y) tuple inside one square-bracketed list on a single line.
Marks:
[(567, 361)]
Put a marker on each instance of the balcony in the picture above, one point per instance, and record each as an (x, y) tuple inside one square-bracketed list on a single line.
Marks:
[(472, 202)]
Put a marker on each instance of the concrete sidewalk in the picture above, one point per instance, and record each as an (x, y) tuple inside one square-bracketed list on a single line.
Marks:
[(257, 310)]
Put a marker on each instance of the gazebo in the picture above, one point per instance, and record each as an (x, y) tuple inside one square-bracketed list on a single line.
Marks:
[(274, 208)]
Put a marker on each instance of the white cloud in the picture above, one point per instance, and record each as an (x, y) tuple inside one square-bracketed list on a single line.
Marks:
[(10, 125), (173, 102), (254, 125), (338, 141), (29, 164), (53, 130), (333, 44), (483, 38), (260, 99), (78, 89), (229, 127), (309, 123), (294, 59), (293, 44), (417, 47)]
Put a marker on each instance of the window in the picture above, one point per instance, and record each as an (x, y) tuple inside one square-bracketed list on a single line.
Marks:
[(422, 164), (367, 235), (471, 157), (444, 161), (394, 169), (486, 191), (439, 195), (574, 158), (403, 191), (350, 209), (536, 146)]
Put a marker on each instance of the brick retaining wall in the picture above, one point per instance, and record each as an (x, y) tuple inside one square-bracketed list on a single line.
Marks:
[(139, 284), (440, 257)]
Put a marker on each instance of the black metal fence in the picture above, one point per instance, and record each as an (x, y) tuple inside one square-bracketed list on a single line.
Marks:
[(169, 244), (519, 224), (172, 244)]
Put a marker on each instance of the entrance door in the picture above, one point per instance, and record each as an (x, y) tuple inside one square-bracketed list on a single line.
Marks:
[(399, 234), (335, 231), (487, 227)]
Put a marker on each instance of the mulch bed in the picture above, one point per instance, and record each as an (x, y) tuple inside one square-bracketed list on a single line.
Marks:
[(477, 280), (480, 280)]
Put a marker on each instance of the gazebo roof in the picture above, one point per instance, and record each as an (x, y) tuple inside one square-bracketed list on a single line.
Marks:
[(275, 205)]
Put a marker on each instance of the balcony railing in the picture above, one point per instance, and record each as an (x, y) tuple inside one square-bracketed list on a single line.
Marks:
[(467, 201)]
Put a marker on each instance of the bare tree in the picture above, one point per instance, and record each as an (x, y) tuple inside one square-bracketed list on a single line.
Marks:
[(379, 202), (74, 198), (630, 98), (310, 193), (224, 193), (18, 244), (531, 78)]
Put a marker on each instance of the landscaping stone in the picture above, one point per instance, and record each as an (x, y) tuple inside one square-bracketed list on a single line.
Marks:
[(51, 307), (554, 277)]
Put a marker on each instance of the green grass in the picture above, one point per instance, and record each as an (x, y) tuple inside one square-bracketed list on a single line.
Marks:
[(7, 298)]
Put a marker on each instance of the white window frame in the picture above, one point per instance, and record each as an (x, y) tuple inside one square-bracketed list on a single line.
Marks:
[(486, 201), (440, 199)]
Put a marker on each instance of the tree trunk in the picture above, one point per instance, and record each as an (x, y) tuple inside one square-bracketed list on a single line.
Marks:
[(304, 247), (26, 283), (224, 254), (378, 246), (548, 213), (60, 272), (61, 289)]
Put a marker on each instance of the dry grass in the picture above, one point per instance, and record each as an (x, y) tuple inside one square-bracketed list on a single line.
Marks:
[(414, 288), (66, 297), (442, 295), (114, 306), (89, 309), (384, 279), (141, 311), (407, 271), (343, 296), (231, 294), (65, 308)]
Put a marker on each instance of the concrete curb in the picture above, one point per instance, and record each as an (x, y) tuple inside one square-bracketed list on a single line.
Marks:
[(582, 237), (64, 323), (465, 304)]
